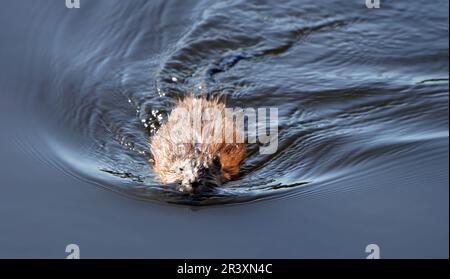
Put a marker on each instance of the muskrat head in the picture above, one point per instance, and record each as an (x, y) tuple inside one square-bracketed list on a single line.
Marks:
[(197, 157), (194, 171), (197, 175)]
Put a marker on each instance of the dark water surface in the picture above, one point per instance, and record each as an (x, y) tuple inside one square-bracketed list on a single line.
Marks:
[(363, 127)]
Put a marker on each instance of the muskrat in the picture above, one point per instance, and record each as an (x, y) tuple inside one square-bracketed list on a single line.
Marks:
[(190, 149)]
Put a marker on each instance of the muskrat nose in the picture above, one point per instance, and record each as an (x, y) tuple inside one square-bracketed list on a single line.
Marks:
[(191, 186), (195, 184)]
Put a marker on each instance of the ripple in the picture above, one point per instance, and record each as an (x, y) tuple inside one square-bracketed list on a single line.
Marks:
[(345, 109)]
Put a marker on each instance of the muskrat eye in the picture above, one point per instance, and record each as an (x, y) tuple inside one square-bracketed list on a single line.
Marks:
[(181, 169), (216, 161)]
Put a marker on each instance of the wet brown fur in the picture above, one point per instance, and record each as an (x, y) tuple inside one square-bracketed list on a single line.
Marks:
[(172, 145)]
